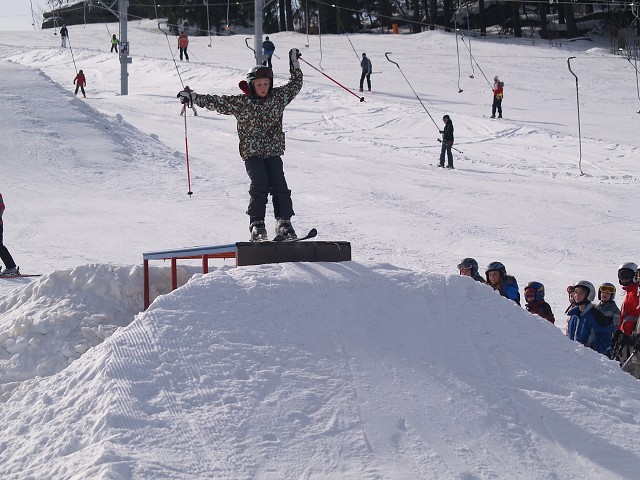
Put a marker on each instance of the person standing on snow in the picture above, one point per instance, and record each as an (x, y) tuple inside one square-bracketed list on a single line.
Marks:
[(80, 81), (505, 285), (366, 67), (534, 296), (183, 44), (262, 141), (447, 142), (268, 48), (629, 313), (587, 324), (114, 43), (497, 97), (10, 266), (64, 33)]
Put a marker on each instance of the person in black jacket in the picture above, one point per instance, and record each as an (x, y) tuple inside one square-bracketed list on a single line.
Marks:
[(447, 142)]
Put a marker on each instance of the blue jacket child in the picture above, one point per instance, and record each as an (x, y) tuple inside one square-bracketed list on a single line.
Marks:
[(587, 324)]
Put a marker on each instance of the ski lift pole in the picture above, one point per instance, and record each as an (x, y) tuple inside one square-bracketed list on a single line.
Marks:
[(333, 80), (386, 54), (186, 146), (578, 104)]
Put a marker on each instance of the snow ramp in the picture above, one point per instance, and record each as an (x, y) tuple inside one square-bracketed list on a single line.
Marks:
[(327, 371)]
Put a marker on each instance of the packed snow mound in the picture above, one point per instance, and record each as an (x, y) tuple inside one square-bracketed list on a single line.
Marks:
[(52, 321), (325, 371)]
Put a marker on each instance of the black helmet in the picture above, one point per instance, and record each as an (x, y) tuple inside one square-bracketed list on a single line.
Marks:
[(627, 273), (469, 263), (496, 267), (259, 71)]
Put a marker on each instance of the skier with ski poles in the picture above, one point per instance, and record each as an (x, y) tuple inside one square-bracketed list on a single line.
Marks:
[(262, 141), (447, 142)]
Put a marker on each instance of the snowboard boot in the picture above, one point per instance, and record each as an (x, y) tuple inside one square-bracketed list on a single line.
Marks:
[(285, 230), (258, 231)]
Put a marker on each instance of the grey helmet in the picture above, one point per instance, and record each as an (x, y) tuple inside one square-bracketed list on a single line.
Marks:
[(591, 295)]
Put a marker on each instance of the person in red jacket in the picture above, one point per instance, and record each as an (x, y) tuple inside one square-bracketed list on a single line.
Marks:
[(497, 97), (630, 310), (534, 296), (80, 82), (10, 266), (183, 43)]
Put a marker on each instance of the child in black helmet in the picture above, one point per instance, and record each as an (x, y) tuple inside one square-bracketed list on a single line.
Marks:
[(469, 267), (505, 285), (262, 142)]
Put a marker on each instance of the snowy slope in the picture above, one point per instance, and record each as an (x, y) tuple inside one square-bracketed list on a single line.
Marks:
[(384, 367)]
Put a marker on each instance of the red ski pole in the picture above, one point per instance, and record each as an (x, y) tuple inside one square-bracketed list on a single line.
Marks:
[(334, 81)]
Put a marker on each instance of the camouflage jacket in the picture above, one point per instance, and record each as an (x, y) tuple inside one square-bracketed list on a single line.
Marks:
[(259, 119)]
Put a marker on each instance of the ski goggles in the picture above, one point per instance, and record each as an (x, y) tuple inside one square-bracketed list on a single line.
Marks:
[(626, 274), (607, 289)]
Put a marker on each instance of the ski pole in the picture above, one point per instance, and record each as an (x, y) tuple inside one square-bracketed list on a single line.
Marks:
[(334, 81), (186, 147), (386, 54), (452, 147), (578, 104)]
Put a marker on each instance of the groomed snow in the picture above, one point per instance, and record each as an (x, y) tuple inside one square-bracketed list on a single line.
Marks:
[(387, 367)]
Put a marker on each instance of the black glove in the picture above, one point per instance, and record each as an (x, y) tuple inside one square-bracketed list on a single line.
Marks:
[(187, 96), (294, 55), (441, 131)]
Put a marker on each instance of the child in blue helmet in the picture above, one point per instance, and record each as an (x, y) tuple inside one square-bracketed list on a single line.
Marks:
[(534, 296)]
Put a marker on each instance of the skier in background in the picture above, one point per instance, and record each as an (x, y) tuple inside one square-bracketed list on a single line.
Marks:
[(64, 33), (267, 49), (114, 43), (447, 142), (183, 44), (80, 81), (10, 266), (365, 64), (497, 97), (262, 141)]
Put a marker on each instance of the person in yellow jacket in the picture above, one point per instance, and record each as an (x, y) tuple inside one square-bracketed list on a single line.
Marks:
[(114, 43)]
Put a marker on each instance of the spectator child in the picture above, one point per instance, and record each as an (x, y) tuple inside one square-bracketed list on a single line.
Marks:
[(534, 296), (505, 285)]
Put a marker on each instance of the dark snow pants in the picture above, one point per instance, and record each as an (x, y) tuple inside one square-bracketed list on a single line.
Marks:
[(6, 257), (497, 105), (267, 177)]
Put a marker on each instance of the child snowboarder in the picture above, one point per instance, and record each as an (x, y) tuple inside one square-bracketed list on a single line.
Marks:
[(10, 266), (534, 296), (262, 141), (80, 81), (114, 43)]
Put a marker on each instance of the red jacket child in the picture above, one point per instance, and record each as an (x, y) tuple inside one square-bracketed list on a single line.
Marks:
[(80, 82)]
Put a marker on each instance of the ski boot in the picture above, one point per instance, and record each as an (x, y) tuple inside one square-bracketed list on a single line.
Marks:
[(10, 272), (285, 230), (258, 231)]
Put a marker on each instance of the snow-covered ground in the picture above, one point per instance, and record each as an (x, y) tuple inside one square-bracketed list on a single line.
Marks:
[(387, 367)]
